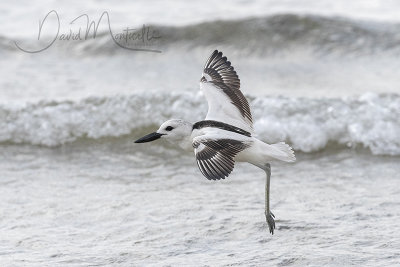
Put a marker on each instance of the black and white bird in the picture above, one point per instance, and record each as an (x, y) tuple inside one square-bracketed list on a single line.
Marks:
[(226, 135)]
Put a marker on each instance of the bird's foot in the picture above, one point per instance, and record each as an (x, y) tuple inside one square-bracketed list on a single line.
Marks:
[(269, 216)]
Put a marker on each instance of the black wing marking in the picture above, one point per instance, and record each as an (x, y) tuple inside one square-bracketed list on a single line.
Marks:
[(215, 158), (221, 71), (224, 77), (220, 125)]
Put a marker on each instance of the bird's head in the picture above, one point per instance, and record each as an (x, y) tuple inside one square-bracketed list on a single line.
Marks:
[(175, 131)]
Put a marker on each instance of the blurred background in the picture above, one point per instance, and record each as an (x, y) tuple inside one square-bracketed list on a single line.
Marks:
[(322, 76)]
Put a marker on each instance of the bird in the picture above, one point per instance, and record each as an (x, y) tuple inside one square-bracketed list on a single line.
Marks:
[(226, 135)]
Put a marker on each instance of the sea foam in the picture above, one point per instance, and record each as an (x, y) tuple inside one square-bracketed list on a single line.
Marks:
[(309, 125)]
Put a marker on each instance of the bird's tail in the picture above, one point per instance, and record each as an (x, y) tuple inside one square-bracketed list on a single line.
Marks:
[(282, 151)]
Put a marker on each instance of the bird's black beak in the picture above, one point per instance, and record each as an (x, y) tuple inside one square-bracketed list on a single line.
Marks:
[(149, 137)]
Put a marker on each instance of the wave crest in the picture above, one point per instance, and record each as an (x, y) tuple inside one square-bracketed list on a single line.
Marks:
[(370, 120), (264, 35)]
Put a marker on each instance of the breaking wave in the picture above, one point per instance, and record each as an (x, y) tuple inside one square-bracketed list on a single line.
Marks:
[(370, 120), (269, 34)]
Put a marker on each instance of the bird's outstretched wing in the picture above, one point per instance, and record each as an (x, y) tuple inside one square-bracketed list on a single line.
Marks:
[(215, 157), (221, 87)]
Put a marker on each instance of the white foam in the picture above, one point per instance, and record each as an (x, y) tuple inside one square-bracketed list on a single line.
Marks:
[(309, 124), (370, 120)]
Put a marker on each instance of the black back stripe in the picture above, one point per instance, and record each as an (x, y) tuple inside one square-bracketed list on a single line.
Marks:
[(220, 125)]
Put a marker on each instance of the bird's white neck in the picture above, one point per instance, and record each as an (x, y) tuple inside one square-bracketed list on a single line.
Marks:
[(181, 136), (186, 143)]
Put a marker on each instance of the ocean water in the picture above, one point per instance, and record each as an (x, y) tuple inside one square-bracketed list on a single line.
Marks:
[(76, 191)]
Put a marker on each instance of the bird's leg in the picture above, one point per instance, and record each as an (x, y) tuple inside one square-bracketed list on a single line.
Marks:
[(269, 216)]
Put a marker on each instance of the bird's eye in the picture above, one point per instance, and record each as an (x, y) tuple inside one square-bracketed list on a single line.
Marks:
[(169, 128), (203, 79)]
